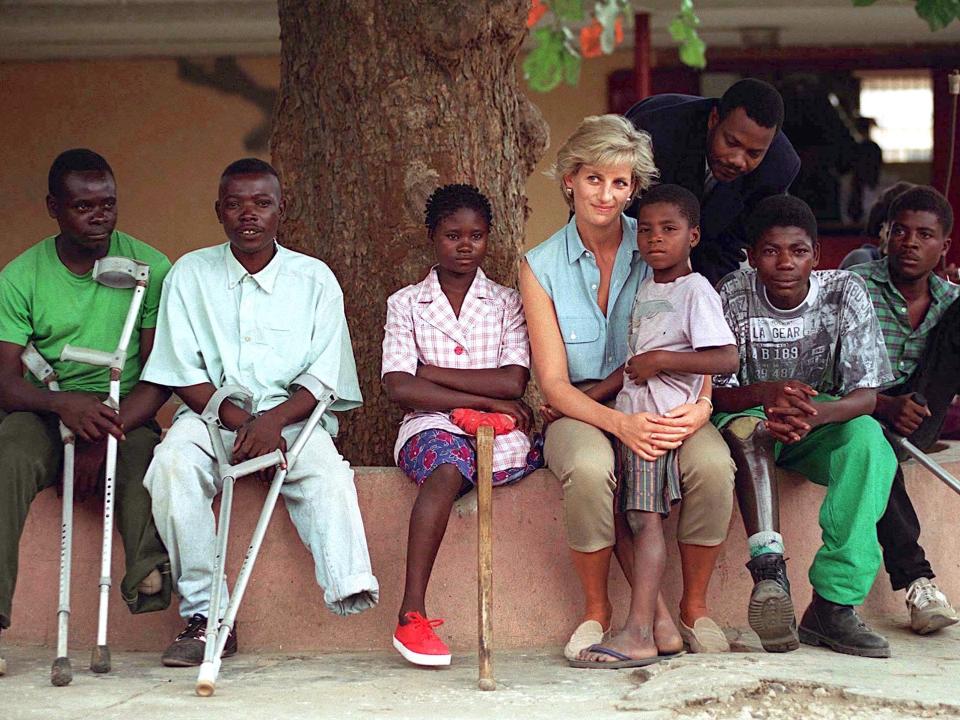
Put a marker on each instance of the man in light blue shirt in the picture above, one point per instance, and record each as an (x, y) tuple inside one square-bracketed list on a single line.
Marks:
[(252, 313)]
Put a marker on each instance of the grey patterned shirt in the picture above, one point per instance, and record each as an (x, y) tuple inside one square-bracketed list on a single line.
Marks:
[(831, 341)]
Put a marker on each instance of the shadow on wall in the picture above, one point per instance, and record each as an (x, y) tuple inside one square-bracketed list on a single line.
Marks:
[(226, 76)]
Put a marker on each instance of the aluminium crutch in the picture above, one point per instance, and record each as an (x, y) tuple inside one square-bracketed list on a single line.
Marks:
[(921, 457), (485, 556), (60, 673), (120, 273), (218, 630)]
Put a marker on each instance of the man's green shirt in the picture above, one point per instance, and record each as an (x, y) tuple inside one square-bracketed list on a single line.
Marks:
[(904, 344), (43, 302)]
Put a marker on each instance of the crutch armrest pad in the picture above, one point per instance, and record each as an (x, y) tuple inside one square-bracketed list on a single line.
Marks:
[(211, 412), (321, 392)]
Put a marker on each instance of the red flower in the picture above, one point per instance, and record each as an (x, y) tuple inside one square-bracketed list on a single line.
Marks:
[(590, 40), (537, 11), (429, 458)]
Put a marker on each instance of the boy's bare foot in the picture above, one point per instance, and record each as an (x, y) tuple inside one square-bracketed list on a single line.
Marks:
[(667, 636), (635, 644), (665, 632)]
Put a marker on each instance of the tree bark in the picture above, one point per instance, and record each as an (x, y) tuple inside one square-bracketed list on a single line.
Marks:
[(380, 103)]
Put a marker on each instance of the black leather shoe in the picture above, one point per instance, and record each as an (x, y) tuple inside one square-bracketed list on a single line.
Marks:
[(841, 629), (770, 611), (188, 647)]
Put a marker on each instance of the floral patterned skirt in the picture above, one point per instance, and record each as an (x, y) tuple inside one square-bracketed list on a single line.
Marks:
[(428, 450)]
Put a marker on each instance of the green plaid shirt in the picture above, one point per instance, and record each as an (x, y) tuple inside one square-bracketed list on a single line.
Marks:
[(904, 344)]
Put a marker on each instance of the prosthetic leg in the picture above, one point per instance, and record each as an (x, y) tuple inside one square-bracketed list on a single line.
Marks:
[(61, 673), (770, 611), (218, 631), (121, 273)]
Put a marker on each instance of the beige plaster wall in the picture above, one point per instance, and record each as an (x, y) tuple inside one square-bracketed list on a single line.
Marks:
[(168, 140)]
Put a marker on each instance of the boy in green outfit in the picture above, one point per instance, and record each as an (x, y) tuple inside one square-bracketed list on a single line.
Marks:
[(811, 359), (48, 297)]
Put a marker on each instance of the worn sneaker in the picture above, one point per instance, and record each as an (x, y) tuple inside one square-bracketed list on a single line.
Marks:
[(187, 649), (770, 611), (418, 643), (841, 629), (929, 608), (3, 666)]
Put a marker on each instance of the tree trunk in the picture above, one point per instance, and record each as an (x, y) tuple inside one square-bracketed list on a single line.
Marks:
[(380, 103)]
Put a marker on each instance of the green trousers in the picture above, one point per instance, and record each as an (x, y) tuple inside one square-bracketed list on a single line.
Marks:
[(856, 464), (31, 460)]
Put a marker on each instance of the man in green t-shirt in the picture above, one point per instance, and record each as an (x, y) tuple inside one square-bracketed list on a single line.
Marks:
[(48, 297)]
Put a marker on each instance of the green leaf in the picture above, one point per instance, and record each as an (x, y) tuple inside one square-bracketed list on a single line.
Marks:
[(571, 62), (693, 52), (679, 31), (543, 67), (938, 13), (570, 10), (683, 30)]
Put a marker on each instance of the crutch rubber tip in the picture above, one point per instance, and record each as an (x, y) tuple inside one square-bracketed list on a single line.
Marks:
[(205, 688), (487, 684), (100, 659), (61, 673)]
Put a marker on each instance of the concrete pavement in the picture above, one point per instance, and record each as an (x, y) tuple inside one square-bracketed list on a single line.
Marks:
[(921, 680)]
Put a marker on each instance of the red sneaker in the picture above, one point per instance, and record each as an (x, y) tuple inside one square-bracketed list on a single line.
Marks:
[(418, 643)]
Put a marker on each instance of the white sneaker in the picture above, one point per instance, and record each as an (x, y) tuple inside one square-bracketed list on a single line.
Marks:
[(929, 608)]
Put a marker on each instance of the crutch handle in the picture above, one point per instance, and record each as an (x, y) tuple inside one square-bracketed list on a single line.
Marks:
[(89, 356), (919, 398), (248, 467)]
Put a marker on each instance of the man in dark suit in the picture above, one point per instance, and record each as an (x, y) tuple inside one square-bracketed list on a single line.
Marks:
[(730, 153)]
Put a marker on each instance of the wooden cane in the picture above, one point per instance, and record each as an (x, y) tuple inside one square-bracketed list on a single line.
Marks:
[(485, 554)]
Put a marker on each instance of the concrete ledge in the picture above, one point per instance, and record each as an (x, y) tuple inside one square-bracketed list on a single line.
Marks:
[(536, 595)]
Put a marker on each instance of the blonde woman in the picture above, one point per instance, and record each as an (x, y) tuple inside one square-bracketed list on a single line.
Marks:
[(578, 289)]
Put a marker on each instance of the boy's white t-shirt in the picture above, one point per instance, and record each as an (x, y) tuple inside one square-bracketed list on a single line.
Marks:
[(680, 316)]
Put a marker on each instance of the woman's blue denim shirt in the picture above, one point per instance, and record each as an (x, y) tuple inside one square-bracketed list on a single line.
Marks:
[(596, 344)]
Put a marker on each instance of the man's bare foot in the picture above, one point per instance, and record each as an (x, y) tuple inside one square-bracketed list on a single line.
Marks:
[(635, 644)]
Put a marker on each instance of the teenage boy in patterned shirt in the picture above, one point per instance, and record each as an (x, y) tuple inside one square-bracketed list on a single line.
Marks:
[(920, 321), (811, 359)]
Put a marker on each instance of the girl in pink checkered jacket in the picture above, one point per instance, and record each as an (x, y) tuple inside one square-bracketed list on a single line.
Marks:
[(454, 340)]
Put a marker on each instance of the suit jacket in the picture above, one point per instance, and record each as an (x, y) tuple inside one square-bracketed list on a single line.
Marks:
[(678, 126)]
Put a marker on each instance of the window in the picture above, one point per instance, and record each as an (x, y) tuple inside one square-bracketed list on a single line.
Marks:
[(902, 106)]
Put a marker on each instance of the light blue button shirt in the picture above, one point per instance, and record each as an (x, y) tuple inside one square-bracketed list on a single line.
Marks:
[(219, 324), (596, 344)]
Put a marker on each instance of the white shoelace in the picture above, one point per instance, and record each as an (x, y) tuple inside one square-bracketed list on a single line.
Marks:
[(922, 592)]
